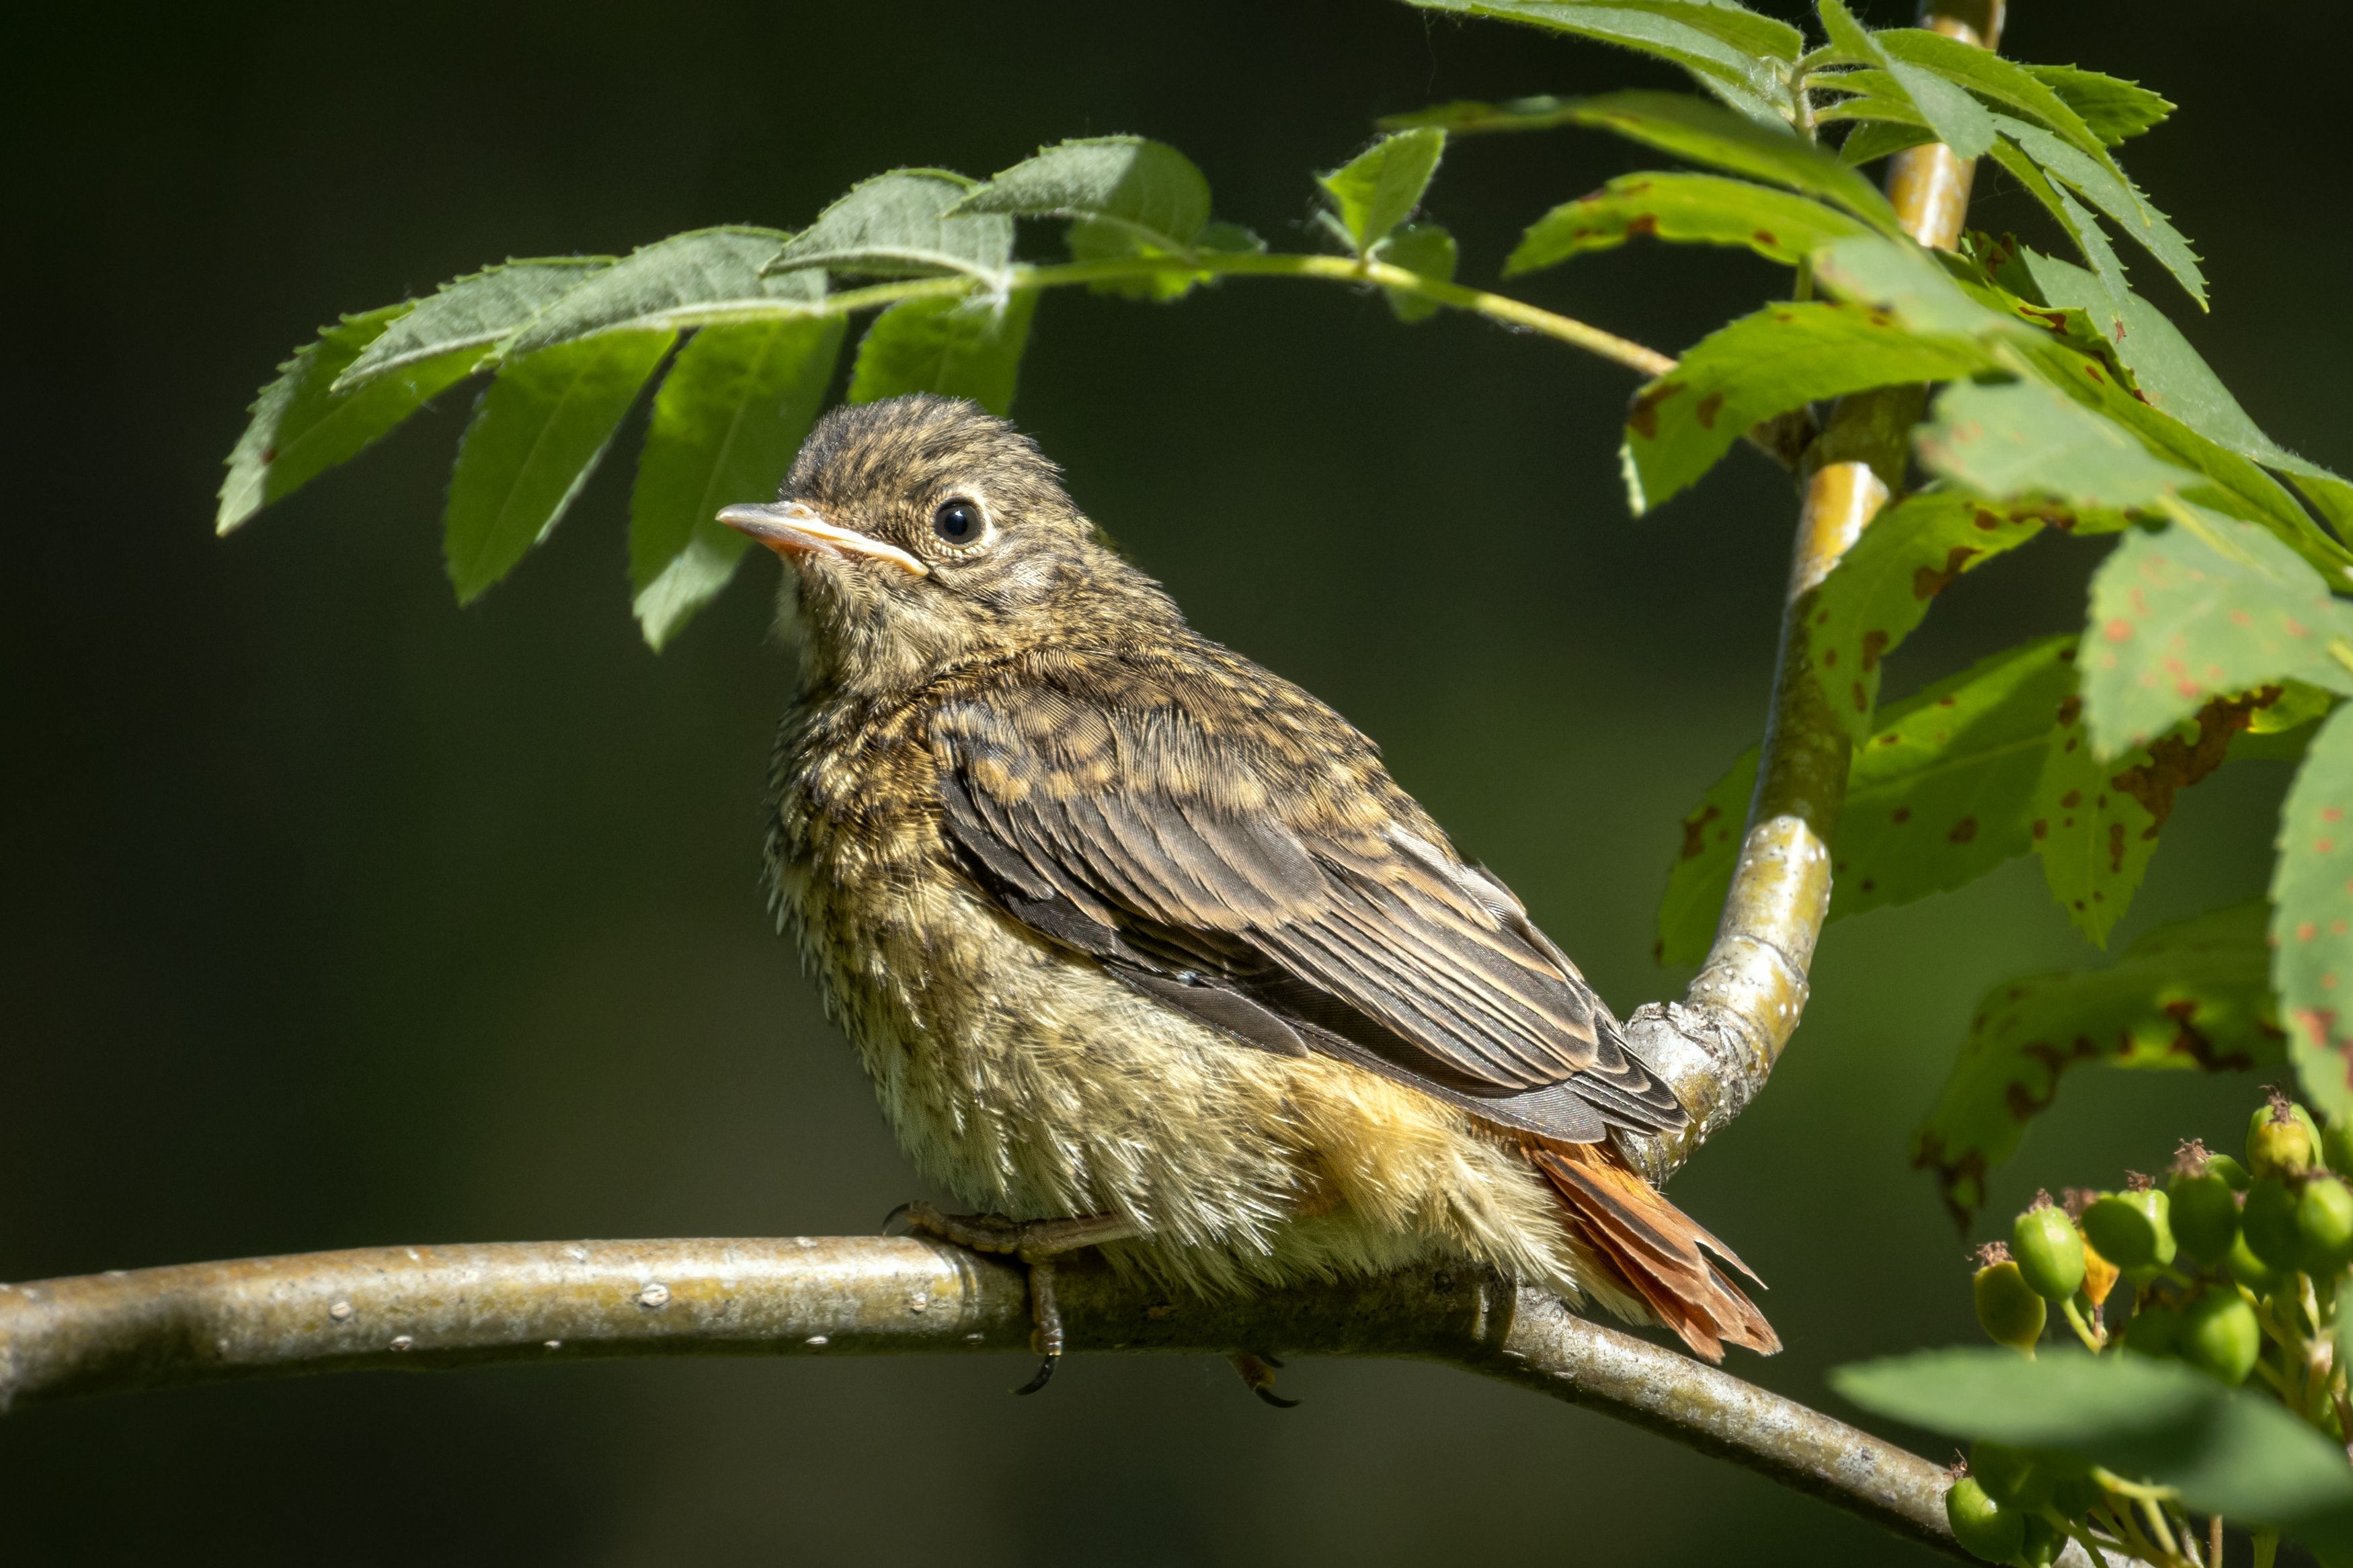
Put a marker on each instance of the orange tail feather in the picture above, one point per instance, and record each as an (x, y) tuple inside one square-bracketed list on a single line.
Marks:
[(1622, 1223)]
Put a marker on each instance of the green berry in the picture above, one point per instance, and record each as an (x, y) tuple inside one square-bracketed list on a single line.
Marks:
[(2269, 1224), (2011, 1477), (2217, 1334), (2008, 1309), (2204, 1215), (2324, 1221), (2049, 1252), (2154, 1331), (2229, 1169), (2337, 1146), (2041, 1543), (2252, 1271), (2281, 1139), (1983, 1527), (2132, 1231), (2075, 1496)]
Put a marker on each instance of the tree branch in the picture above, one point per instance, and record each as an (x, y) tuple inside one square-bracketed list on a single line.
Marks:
[(432, 1308)]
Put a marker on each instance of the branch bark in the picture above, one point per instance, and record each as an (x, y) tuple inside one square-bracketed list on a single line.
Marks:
[(410, 1309)]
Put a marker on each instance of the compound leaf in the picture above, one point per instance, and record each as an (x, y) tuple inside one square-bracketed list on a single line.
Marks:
[(678, 281), (1146, 191), (903, 224), (1705, 209), (478, 312), (1694, 128), (957, 348)]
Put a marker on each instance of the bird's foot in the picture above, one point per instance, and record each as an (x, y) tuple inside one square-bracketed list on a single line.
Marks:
[(1258, 1374), (1036, 1243)]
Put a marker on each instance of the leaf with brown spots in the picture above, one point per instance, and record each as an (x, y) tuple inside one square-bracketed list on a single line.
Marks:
[(2312, 918), (2093, 831), (1702, 870), (1691, 209), (2190, 996)]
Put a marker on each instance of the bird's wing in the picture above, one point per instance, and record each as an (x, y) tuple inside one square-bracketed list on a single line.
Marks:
[(1274, 882)]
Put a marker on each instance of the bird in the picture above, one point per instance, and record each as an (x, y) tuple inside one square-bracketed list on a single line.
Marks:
[(1140, 943)]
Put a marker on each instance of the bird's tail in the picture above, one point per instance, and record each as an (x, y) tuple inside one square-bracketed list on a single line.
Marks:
[(1622, 1223)]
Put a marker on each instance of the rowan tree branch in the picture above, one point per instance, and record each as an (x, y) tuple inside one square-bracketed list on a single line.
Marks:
[(432, 1308)]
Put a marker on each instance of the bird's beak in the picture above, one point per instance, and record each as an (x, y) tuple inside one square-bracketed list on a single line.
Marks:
[(790, 530)]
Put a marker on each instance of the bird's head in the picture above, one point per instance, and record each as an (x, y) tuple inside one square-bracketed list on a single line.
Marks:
[(920, 533)]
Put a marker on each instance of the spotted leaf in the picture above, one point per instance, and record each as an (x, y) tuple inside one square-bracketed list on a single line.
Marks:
[(2312, 918)]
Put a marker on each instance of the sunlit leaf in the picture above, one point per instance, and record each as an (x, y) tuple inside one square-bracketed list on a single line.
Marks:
[(2020, 439), (300, 428), (2102, 300), (2113, 108), (478, 312), (706, 275), (957, 348), (725, 425), (536, 439), (1702, 874), (2098, 182), (1706, 209), (1424, 248), (2312, 913), (1878, 138), (1467, 116), (2195, 994), (1990, 75), (1959, 121), (1693, 128), (1379, 189), (1732, 51), (1148, 190), (900, 224)]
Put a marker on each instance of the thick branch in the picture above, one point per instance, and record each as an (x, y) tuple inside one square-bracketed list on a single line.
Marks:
[(427, 1308)]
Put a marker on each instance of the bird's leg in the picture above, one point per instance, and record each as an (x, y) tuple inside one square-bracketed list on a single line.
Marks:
[(1258, 1374), (1036, 1243)]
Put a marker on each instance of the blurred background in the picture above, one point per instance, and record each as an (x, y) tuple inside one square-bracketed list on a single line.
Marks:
[(335, 916)]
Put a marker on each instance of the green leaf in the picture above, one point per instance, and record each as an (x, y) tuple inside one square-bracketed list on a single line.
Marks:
[(1706, 209), (725, 425), (685, 280), (1984, 72), (2312, 904), (2113, 109), (2096, 819), (2228, 1451), (1882, 587), (1763, 365), (957, 348), (2082, 229), (1879, 139), (300, 428), (1959, 121), (2020, 439), (1732, 51), (2099, 183), (1379, 188), (1424, 248), (478, 312), (1467, 116), (2207, 608), (1691, 128), (1146, 190), (536, 437), (900, 226), (1702, 874), (2195, 994)]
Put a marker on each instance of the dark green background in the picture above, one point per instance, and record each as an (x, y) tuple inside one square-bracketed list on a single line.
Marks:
[(335, 916)]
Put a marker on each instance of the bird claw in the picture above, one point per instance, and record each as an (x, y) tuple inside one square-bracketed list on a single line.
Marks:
[(1256, 1372), (1044, 1374), (1036, 1243)]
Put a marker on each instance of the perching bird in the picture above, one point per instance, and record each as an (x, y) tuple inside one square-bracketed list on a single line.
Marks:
[(1141, 944)]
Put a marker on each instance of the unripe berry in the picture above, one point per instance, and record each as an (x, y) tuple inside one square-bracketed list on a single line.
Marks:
[(2324, 1221), (2153, 1331), (2217, 1334), (2009, 1476), (1984, 1528), (2337, 1146), (2204, 1215), (2050, 1253), (2281, 1139), (2252, 1271), (2008, 1309), (2268, 1223), (2229, 1169), (2131, 1230), (2041, 1542)]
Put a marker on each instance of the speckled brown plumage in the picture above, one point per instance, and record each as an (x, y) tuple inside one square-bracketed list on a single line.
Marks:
[(1122, 923)]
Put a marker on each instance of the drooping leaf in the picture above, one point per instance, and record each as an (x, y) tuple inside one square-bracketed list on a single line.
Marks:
[(1732, 52), (2312, 912), (2207, 608), (957, 348), (2113, 108), (2097, 181), (1424, 248), (902, 224), (1693, 128), (2102, 300), (300, 428), (536, 439), (1761, 366), (1959, 121), (2227, 1451), (705, 274), (1702, 874), (478, 312), (1146, 190), (725, 425), (1379, 189), (2020, 439), (2194, 994), (1706, 209)]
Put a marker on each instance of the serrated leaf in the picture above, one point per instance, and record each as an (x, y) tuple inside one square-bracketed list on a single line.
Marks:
[(300, 428), (2099, 183), (1878, 137), (1424, 248), (2227, 1451), (725, 425), (900, 226), (1693, 128), (2194, 994), (1778, 359), (2096, 819), (1692, 905), (1148, 190), (1379, 189), (536, 437), (679, 281), (1706, 209), (957, 348), (2181, 618), (1882, 588), (2113, 109), (1984, 72), (477, 311), (1732, 51), (2311, 911), (2102, 303), (2020, 439), (1959, 121)]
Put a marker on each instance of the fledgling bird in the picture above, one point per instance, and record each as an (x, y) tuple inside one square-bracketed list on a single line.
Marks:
[(1140, 943)]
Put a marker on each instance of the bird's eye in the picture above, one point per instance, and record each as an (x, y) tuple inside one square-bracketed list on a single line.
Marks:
[(957, 521)]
